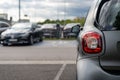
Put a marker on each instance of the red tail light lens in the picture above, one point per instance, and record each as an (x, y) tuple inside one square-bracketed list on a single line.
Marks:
[(92, 43)]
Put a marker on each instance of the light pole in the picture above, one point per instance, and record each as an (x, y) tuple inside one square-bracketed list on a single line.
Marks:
[(57, 11), (64, 11), (19, 7)]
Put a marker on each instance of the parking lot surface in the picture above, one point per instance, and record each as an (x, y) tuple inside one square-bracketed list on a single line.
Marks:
[(37, 72), (48, 60)]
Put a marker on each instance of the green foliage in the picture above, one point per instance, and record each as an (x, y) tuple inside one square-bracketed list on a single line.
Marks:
[(64, 22)]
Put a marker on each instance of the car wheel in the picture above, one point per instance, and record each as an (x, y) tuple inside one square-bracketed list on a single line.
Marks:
[(31, 40)]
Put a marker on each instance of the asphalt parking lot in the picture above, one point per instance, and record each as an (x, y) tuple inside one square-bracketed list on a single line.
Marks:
[(47, 60), (38, 72)]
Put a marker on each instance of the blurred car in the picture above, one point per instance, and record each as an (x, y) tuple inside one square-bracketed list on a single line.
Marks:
[(67, 30), (39, 26), (51, 30), (99, 43), (3, 26), (21, 33)]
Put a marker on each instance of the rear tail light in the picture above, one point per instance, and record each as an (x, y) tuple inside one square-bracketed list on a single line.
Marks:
[(92, 43)]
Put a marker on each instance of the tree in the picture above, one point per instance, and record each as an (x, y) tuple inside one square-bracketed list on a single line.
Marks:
[(64, 22)]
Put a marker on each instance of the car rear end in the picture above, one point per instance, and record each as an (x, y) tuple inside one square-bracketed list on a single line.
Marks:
[(67, 33), (99, 43), (49, 30)]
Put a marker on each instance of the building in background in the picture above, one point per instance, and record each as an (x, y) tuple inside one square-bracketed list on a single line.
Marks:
[(4, 16)]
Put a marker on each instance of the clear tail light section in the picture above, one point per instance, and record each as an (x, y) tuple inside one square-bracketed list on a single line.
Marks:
[(92, 43)]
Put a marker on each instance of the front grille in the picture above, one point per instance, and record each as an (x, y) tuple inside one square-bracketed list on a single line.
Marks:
[(15, 35)]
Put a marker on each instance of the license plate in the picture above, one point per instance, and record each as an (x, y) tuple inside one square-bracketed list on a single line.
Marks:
[(13, 40)]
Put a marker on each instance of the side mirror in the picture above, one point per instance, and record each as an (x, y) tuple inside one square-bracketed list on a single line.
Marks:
[(81, 28)]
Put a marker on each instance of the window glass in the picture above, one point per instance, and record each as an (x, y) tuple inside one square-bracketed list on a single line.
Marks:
[(110, 15)]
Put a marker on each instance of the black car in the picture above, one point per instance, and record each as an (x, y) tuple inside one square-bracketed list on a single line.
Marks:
[(21, 33), (67, 30), (99, 43), (3, 26), (51, 30)]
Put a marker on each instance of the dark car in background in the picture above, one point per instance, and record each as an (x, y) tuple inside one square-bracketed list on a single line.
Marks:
[(51, 30), (67, 30), (21, 33), (39, 26), (3, 26), (99, 43)]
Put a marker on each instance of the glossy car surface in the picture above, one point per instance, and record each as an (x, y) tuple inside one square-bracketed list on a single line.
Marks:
[(21, 33), (99, 43), (67, 30)]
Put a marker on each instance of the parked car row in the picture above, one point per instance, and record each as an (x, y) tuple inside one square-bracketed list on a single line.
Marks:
[(56, 30), (30, 32)]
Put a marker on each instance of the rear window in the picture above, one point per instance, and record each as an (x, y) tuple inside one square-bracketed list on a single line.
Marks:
[(109, 17)]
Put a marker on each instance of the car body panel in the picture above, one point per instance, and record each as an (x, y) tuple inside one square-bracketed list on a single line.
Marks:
[(109, 22), (89, 69)]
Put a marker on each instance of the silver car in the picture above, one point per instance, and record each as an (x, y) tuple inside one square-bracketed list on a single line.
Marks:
[(99, 43)]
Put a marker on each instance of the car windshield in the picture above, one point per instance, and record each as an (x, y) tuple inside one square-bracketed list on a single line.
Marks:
[(21, 26), (110, 17)]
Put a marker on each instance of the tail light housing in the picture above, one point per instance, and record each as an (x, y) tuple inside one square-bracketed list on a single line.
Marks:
[(92, 43)]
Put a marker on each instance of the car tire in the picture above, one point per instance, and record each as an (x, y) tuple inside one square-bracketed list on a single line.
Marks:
[(31, 41)]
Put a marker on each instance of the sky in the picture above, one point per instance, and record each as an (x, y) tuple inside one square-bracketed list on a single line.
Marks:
[(40, 10)]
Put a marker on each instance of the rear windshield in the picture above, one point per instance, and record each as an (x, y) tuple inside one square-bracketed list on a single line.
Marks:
[(110, 15)]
